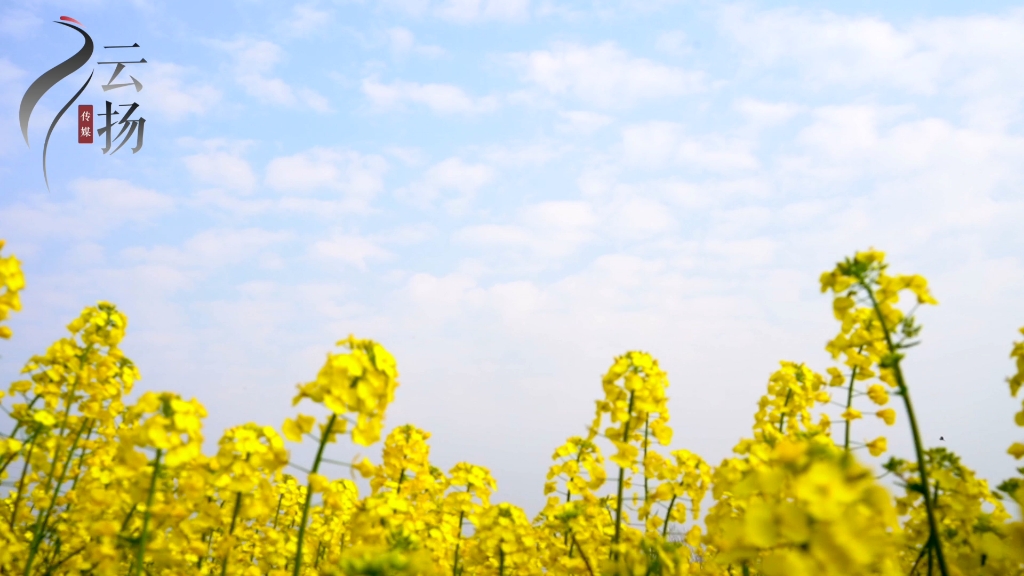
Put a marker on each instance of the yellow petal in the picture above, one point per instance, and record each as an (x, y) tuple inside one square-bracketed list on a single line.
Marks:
[(1017, 450), (291, 430), (888, 414), (44, 418), (877, 446)]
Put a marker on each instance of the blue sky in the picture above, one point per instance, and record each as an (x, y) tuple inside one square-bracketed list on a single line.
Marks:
[(508, 193)]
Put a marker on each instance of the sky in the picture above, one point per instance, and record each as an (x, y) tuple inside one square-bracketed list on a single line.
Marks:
[(507, 194)]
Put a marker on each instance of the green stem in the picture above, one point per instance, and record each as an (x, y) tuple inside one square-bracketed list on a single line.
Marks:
[(69, 400), (209, 546), (309, 494), (21, 481), (930, 560), (647, 430), (586, 562), (924, 550), (568, 489), (63, 425), (78, 551), (664, 529), (141, 554), (277, 514), (782, 420), (933, 526), (17, 426), (40, 527), (401, 478), (81, 457), (622, 473), (54, 553), (849, 403), (231, 531), (458, 542), (128, 518), (501, 561)]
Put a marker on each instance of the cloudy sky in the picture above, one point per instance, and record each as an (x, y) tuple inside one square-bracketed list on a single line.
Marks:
[(509, 193)]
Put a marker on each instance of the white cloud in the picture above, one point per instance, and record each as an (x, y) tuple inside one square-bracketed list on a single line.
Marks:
[(441, 98), (19, 23), (98, 206), (658, 144), (408, 156), (679, 194), (121, 199), (744, 253), (10, 95), (635, 217), (349, 248), (972, 57), (543, 234), (407, 235), (583, 122), (673, 43), (766, 114), (230, 202), (877, 141), (519, 156), (314, 100), (603, 75), (223, 169), (167, 92), (844, 131), (9, 72), (440, 297), (358, 178), (411, 7), (948, 178), (212, 249), (465, 11), (452, 179), (832, 48), (742, 222), (495, 234), (403, 42), (254, 62), (305, 19), (548, 230), (86, 254)]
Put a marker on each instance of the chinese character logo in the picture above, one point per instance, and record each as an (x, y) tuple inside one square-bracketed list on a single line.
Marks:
[(135, 126), (85, 124), (126, 122)]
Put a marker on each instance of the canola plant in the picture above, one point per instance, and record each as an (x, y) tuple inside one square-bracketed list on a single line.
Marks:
[(95, 485)]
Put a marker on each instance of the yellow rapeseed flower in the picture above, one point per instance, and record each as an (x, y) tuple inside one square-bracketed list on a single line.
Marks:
[(888, 415), (877, 446)]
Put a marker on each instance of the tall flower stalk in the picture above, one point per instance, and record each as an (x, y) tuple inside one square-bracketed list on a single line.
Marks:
[(309, 493), (140, 554), (865, 303), (361, 381), (634, 390)]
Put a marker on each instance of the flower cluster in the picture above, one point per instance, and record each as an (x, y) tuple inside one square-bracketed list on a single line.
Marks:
[(97, 484), (12, 281), (361, 382), (802, 507), (1016, 381)]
